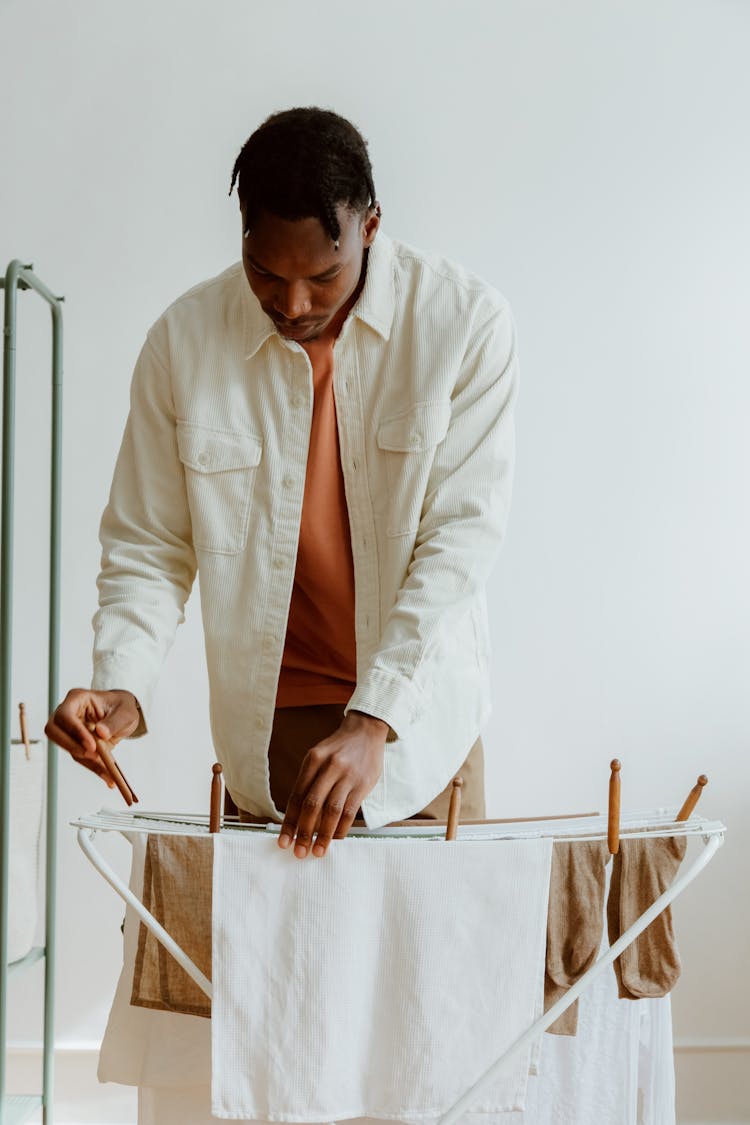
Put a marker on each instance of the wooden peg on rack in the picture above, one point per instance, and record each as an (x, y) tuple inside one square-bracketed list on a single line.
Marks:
[(24, 730), (214, 820), (454, 809), (104, 749), (692, 798), (613, 820)]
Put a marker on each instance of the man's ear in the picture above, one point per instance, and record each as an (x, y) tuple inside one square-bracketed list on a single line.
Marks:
[(371, 225)]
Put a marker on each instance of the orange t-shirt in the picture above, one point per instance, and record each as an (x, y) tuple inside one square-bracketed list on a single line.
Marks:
[(319, 664)]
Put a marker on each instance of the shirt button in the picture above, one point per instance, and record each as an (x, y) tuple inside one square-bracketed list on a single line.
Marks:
[(203, 459), (298, 400), (415, 439), (278, 564), (288, 482), (259, 723)]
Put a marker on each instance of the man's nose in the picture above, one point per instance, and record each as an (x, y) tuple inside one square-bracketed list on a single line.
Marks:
[(293, 300)]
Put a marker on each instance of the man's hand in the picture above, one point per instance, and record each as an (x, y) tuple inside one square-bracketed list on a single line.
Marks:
[(334, 779), (113, 714)]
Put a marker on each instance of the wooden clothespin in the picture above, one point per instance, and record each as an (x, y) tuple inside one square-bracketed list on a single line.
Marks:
[(104, 750), (454, 809), (214, 820), (692, 798), (613, 819), (24, 730)]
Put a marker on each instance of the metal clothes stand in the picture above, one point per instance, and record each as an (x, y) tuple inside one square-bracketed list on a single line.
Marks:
[(644, 824), (18, 1108)]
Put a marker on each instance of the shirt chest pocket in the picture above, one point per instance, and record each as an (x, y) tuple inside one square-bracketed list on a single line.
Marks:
[(407, 442), (220, 470)]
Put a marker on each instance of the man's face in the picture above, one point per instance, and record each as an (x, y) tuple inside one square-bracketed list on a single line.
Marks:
[(295, 271)]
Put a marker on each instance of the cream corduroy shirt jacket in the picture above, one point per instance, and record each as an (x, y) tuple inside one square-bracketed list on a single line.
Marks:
[(210, 479)]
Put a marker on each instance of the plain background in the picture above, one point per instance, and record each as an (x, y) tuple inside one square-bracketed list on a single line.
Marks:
[(590, 160)]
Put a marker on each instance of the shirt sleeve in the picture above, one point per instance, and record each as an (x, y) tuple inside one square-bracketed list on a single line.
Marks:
[(464, 516), (148, 562)]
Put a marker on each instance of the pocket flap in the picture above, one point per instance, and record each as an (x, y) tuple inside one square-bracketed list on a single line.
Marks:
[(422, 426), (216, 451)]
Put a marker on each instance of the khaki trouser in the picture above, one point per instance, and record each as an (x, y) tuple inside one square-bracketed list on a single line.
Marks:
[(297, 729)]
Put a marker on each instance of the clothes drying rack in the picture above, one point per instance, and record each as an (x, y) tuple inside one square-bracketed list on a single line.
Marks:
[(636, 825), (17, 1108)]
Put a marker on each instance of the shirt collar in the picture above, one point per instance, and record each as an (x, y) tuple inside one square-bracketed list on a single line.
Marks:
[(257, 326), (375, 304)]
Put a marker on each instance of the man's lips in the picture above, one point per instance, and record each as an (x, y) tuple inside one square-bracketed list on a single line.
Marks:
[(294, 327)]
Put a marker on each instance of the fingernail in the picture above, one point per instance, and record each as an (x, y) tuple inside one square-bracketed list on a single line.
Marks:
[(319, 850), (284, 841), (300, 851)]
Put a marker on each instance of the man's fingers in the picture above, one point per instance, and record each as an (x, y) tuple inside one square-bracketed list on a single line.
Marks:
[(349, 815), (336, 809), (289, 825), (85, 757), (295, 825), (295, 805), (310, 809), (74, 729)]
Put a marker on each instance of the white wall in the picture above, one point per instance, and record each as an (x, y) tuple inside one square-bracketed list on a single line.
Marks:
[(591, 160)]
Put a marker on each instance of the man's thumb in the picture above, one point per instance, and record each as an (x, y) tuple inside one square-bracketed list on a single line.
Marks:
[(117, 725)]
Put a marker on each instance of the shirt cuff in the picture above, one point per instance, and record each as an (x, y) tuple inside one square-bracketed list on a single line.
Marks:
[(391, 698)]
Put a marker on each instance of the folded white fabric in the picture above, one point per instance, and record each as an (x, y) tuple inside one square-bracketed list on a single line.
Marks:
[(591, 1078), (142, 1047), (381, 981), (656, 1077), (618, 1070)]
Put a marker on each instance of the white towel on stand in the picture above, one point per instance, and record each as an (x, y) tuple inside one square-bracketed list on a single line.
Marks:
[(594, 1079), (142, 1047), (381, 981)]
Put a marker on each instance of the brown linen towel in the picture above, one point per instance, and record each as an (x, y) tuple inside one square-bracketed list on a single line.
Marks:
[(642, 870), (177, 890), (575, 921)]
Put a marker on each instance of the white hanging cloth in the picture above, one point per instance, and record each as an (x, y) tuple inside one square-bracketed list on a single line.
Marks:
[(378, 982)]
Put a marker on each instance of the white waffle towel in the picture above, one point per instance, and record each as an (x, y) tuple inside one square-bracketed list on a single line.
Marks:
[(380, 981)]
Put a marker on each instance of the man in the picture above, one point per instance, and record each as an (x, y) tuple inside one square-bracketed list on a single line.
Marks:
[(324, 434)]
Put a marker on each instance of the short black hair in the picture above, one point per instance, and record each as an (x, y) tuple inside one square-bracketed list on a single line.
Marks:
[(300, 163)]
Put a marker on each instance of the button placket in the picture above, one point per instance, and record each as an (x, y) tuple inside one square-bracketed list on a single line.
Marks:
[(352, 444), (287, 502)]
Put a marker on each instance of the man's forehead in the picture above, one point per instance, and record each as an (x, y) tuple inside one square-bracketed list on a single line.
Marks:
[(302, 246)]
